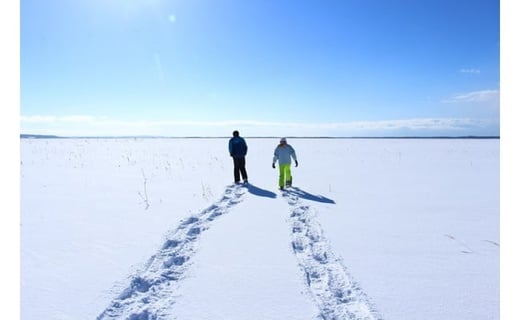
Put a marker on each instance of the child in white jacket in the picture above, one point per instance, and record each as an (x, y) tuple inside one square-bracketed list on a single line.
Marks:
[(283, 154)]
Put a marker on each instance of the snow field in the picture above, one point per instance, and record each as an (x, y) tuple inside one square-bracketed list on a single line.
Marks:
[(374, 229)]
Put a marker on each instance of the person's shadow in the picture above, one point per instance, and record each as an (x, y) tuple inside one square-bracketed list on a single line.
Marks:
[(305, 195), (293, 190), (260, 192)]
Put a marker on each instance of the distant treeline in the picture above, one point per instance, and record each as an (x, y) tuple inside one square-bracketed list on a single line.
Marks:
[(38, 136)]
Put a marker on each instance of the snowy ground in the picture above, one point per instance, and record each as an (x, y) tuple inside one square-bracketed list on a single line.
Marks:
[(154, 229)]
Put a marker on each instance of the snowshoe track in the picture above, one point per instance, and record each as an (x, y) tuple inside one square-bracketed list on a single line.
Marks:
[(157, 282), (335, 292)]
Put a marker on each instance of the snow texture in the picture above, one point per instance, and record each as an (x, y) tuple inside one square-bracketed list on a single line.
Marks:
[(154, 229), (155, 287)]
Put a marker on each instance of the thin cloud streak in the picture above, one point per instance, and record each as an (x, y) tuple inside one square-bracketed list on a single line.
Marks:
[(475, 96), (56, 119), (471, 71), (158, 66)]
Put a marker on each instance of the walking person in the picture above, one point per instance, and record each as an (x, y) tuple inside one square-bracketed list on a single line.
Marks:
[(238, 150), (283, 154)]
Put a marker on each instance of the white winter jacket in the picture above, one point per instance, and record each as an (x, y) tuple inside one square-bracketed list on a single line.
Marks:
[(283, 154)]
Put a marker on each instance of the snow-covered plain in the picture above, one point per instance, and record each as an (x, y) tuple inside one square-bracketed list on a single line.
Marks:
[(155, 229)]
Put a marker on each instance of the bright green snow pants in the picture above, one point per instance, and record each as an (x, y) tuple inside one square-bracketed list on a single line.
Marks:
[(285, 174)]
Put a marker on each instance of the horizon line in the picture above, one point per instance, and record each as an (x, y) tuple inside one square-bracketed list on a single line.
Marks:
[(44, 136)]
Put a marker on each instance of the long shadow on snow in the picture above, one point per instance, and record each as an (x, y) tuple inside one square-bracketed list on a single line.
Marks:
[(305, 195), (259, 192)]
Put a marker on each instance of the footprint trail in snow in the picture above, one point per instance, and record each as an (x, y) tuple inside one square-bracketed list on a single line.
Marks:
[(331, 286), (154, 289)]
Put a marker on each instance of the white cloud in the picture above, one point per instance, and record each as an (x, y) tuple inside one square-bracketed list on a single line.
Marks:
[(432, 124), (54, 119), (471, 71), (76, 118), (474, 96), (37, 119), (101, 126)]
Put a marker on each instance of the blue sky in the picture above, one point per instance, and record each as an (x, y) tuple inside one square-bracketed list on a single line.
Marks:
[(268, 68)]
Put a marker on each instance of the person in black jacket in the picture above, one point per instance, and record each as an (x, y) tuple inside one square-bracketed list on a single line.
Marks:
[(238, 150)]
